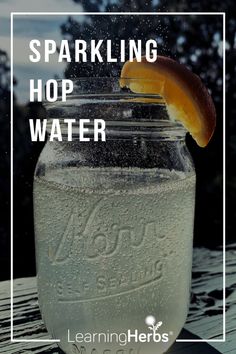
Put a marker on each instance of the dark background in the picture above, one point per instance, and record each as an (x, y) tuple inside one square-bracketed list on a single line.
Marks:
[(193, 41)]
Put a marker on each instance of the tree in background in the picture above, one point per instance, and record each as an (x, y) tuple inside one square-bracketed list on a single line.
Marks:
[(25, 157), (4, 155), (195, 42)]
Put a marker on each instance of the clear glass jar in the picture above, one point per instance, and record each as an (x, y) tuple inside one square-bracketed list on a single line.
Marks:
[(114, 224)]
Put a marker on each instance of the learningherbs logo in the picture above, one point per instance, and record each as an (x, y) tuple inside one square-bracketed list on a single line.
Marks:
[(154, 335)]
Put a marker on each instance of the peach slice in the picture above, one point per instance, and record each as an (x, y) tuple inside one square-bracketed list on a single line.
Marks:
[(186, 98)]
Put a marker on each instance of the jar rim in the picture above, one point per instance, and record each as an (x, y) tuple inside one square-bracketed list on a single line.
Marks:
[(94, 85), (97, 97)]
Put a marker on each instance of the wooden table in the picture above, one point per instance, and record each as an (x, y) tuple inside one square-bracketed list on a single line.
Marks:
[(205, 318)]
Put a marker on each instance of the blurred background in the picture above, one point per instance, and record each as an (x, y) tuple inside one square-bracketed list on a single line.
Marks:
[(195, 41)]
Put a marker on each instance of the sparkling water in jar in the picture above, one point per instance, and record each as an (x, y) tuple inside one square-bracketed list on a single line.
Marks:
[(114, 224)]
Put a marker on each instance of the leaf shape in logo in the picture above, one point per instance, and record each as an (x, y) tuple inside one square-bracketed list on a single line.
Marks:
[(158, 325)]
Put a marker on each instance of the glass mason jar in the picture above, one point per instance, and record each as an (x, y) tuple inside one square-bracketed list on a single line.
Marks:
[(114, 224)]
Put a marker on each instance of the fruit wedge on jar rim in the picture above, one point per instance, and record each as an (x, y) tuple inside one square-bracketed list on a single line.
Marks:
[(187, 99)]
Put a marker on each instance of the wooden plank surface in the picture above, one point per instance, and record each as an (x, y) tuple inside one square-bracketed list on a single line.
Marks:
[(205, 318)]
